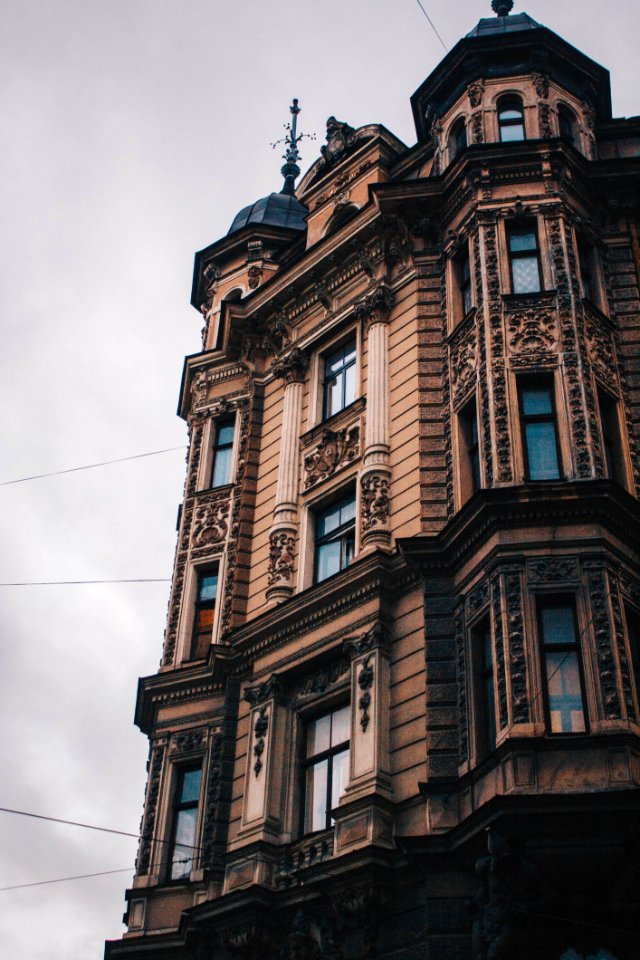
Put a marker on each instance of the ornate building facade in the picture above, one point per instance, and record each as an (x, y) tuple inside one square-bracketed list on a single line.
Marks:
[(398, 708)]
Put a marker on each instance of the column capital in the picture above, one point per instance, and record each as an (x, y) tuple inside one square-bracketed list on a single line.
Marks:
[(375, 307), (373, 639), (291, 368)]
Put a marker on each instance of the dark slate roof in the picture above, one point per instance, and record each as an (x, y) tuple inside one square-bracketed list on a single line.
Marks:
[(276, 210), (490, 26)]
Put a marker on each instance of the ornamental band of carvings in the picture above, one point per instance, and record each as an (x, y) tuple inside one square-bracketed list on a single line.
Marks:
[(336, 449), (210, 522), (260, 730), (541, 85), (214, 779), (477, 127), (623, 660), (143, 862), (320, 681), (477, 597), (501, 675), (544, 114), (485, 414), (373, 639), (517, 656), (365, 682), (461, 665), (374, 501), (531, 332), (464, 362), (281, 557), (553, 570), (239, 496), (600, 352), (573, 367), (188, 741), (599, 596), (446, 391), (500, 411)]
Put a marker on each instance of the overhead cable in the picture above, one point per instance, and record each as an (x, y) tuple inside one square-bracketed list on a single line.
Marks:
[(91, 466)]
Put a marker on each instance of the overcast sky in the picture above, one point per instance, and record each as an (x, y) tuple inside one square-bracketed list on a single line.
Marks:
[(132, 132)]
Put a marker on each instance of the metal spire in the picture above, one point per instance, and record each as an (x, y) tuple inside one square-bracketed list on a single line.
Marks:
[(291, 170), (502, 8)]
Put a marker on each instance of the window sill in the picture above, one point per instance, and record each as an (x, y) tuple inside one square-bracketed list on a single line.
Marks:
[(224, 488), (344, 416), (519, 301), (460, 324)]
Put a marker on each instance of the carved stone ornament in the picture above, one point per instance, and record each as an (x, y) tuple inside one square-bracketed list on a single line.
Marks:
[(281, 557), (246, 416), (321, 680), (475, 92), (260, 730), (372, 639), (544, 115), (553, 570), (374, 501), (340, 137), (531, 331), (189, 741), (461, 672), (599, 597), (501, 676), (517, 657), (477, 597), (500, 412), (477, 127), (365, 682), (336, 449), (211, 814), (600, 350), (541, 85), (398, 244), (254, 276), (464, 362), (291, 368), (210, 522), (271, 689), (156, 759), (375, 307)]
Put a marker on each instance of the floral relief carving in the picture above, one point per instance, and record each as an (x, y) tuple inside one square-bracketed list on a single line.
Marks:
[(553, 570), (600, 351), (291, 368), (477, 127), (531, 331), (475, 92), (374, 501), (373, 639), (541, 85), (281, 557), (599, 595), (210, 522), (156, 760), (501, 673), (365, 682), (336, 449), (623, 660), (477, 597), (234, 527), (484, 413), (517, 655), (500, 412), (260, 730), (320, 681), (211, 814), (375, 307), (461, 666), (188, 741), (544, 116), (464, 362)]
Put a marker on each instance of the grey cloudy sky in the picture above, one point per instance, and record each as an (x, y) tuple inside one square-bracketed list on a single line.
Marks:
[(132, 131)]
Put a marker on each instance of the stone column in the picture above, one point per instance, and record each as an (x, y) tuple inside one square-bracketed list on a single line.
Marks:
[(292, 370), (376, 473)]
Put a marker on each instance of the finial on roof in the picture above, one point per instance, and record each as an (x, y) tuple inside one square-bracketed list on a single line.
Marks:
[(290, 170), (502, 8)]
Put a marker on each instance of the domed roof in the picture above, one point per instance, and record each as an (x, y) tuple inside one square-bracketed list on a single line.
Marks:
[(276, 210)]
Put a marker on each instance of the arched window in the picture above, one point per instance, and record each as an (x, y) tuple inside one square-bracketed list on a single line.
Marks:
[(511, 119), (342, 215), (457, 138), (567, 123)]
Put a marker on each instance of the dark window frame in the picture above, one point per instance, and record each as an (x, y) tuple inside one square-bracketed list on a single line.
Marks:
[(344, 532), (469, 431), (486, 717), (458, 140), (568, 125), (315, 760), (327, 378), (611, 434), (510, 103), (217, 448), (463, 283), (202, 606), (514, 227), (538, 380), (178, 807), (559, 601)]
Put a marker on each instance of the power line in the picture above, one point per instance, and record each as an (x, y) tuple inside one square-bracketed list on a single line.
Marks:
[(433, 26), (80, 876), (65, 583), (91, 466)]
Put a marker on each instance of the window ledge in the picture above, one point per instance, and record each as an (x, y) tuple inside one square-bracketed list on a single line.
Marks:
[(312, 849), (524, 301), (344, 416), (461, 325)]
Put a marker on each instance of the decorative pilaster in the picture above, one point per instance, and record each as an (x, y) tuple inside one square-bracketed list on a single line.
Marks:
[(292, 369), (374, 310), (266, 760)]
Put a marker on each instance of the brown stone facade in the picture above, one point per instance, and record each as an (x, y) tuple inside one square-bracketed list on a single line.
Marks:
[(410, 540)]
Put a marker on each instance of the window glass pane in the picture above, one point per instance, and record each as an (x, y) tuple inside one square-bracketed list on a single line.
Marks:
[(222, 467), (183, 849), (350, 385), (225, 434), (333, 396), (328, 520), (316, 797), (328, 559), (318, 735), (542, 454), (526, 275), (347, 510), (340, 776), (334, 362), (514, 131), (565, 693), (558, 625), (204, 622), (208, 587), (536, 400), (467, 299), (510, 113), (340, 726), (522, 240), (349, 351), (190, 791)]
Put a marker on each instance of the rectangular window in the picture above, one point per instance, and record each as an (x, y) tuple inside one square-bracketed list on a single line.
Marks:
[(182, 848), (562, 666), (633, 633), (482, 648), (524, 259), (470, 451), (462, 271), (539, 434), (326, 767), (611, 440), (339, 383), (222, 452), (335, 537), (205, 605), (588, 276)]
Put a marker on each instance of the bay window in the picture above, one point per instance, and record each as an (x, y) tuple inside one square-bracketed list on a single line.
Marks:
[(561, 665)]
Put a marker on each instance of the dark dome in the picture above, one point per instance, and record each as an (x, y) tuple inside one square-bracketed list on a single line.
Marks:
[(276, 210)]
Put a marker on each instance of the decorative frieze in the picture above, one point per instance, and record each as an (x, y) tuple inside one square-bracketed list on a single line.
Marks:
[(599, 595), (188, 741), (531, 331), (147, 834), (210, 522), (234, 529), (553, 570), (464, 361), (516, 641), (504, 472), (211, 814), (317, 683), (374, 502), (336, 449), (281, 557), (478, 597), (500, 667)]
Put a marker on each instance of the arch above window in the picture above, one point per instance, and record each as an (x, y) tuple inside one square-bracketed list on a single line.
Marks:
[(457, 138), (567, 124), (510, 119)]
